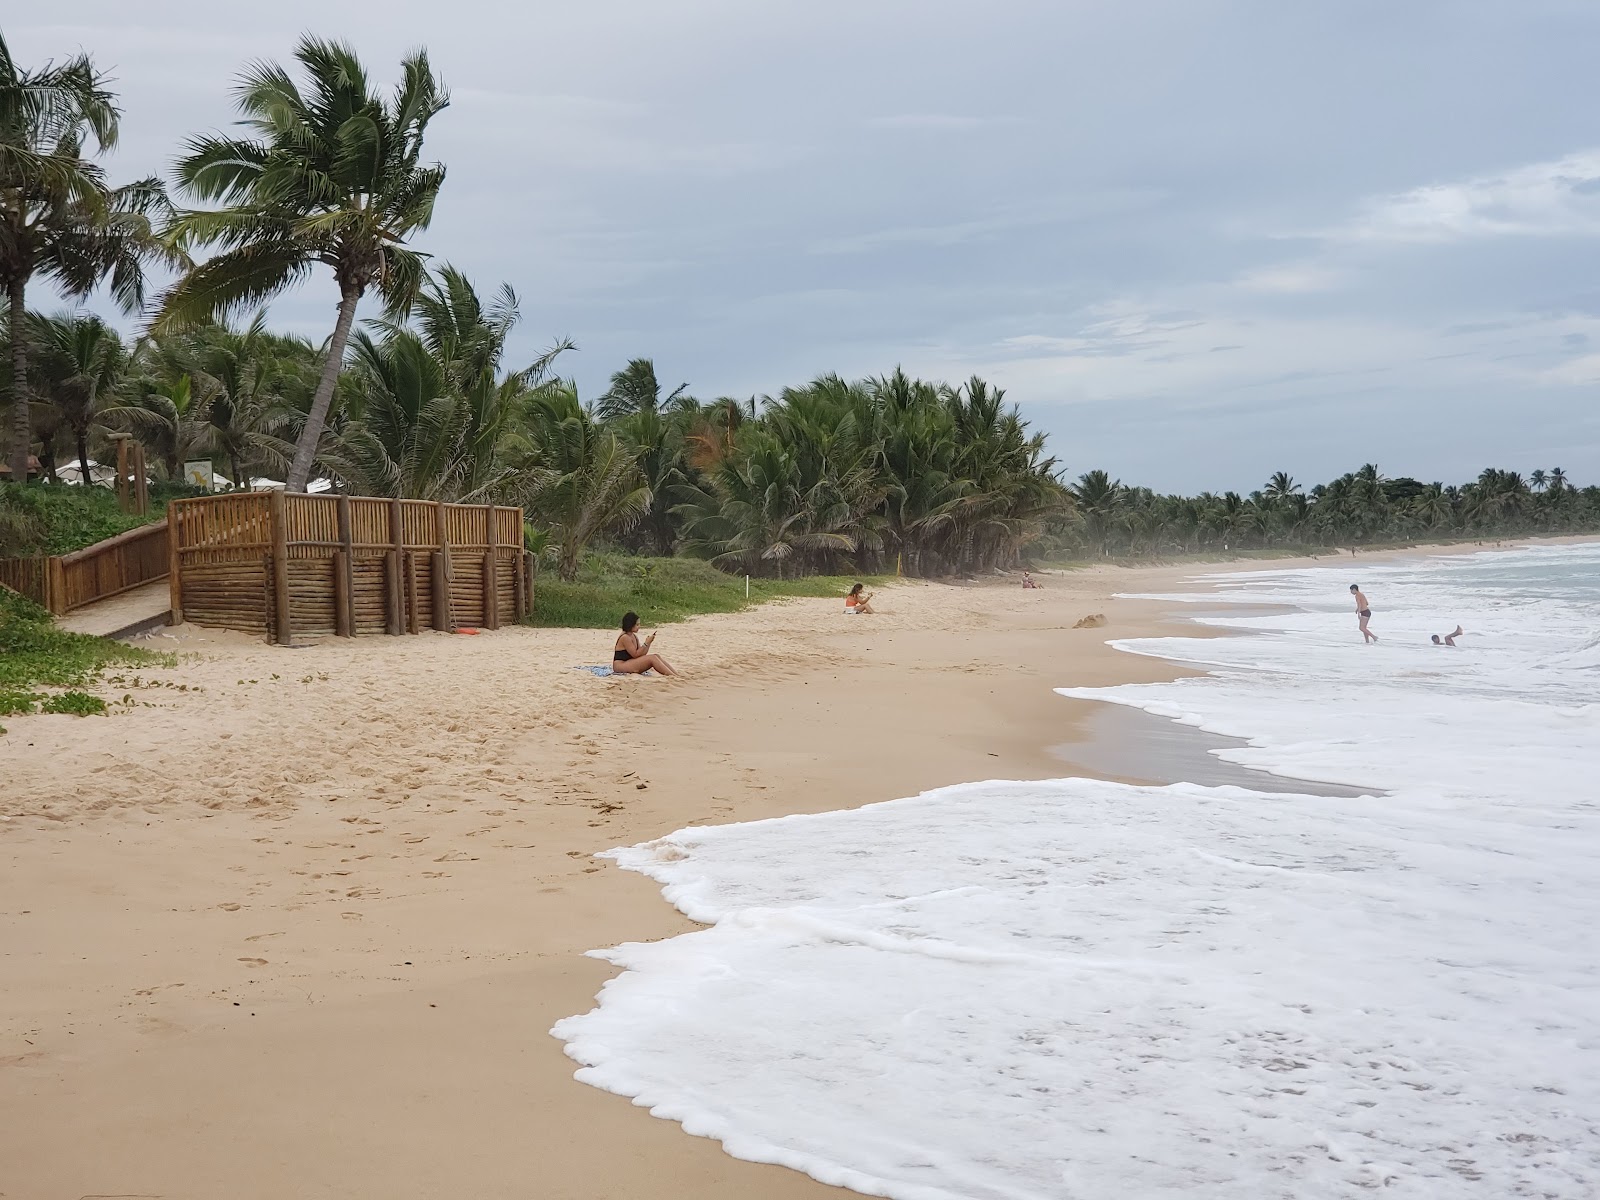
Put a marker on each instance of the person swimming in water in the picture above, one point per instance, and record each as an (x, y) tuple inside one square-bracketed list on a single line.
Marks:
[(1448, 639), (1363, 613)]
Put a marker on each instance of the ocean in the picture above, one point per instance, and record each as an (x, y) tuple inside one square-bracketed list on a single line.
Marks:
[(1080, 989)]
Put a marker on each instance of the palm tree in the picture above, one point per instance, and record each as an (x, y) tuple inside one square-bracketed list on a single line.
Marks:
[(1557, 479), (59, 220), (584, 481), (636, 389), (332, 177), (1537, 479), (81, 364), (430, 413), (1281, 486), (1098, 498)]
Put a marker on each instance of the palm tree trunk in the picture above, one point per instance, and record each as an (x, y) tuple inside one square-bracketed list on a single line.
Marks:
[(82, 437), (305, 450), (21, 423)]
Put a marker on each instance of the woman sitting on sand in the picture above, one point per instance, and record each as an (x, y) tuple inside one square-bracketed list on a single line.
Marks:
[(630, 656), (858, 601)]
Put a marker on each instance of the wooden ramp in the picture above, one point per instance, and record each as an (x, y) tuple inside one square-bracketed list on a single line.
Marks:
[(134, 611)]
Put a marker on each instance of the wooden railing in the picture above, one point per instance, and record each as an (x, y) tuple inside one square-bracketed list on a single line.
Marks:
[(299, 565), (63, 582)]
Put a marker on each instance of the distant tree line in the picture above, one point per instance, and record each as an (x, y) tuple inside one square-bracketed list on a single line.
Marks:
[(417, 399)]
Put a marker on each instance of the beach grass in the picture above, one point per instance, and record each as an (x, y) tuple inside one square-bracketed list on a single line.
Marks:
[(661, 591), (35, 655)]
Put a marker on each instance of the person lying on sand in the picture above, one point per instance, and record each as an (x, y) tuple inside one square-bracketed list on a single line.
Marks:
[(858, 601), (1028, 581), (630, 656), (1363, 613), (1448, 639)]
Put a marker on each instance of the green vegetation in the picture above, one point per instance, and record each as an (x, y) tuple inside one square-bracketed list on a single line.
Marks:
[(660, 590), (61, 519), (1362, 509), (35, 655)]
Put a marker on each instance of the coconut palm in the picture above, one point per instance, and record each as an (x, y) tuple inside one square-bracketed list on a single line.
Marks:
[(584, 482), (80, 363), (636, 389), (1281, 486), (59, 219), (431, 413), (1099, 501), (333, 177)]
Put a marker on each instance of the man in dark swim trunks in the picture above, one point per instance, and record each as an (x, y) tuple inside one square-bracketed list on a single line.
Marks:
[(1363, 613)]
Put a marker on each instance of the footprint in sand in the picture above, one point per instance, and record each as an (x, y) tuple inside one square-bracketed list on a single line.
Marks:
[(229, 907), (254, 962)]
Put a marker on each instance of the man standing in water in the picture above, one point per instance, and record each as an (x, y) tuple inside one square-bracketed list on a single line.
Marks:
[(1363, 613)]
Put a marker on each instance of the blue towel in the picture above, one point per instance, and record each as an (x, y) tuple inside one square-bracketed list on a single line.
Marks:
[(604, 672)]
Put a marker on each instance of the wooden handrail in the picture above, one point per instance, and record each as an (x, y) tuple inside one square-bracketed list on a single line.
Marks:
[(112, 543)]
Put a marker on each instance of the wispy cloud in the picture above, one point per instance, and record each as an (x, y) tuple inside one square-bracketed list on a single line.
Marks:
[(1295, 278), (1560, 198), (934, 122)]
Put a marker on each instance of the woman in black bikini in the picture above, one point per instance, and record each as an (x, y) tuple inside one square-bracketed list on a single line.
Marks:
[(630, 656)]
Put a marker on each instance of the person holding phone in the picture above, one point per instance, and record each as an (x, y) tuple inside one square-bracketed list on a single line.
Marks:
[(630, 656), (858, 601)]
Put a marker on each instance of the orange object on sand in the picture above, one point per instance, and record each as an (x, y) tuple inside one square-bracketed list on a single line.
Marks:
[(474, 632)]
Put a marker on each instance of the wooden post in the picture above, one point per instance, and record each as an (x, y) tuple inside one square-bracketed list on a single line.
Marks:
[(394, 601), (344, 574), (491, 574), (413, 594), (441, 591), (175, 562), (519, 586), (122, 470), (530, 568), (393, 565), (55, 585), (141, 480), (443, 572), (283, 625), (343, 617)]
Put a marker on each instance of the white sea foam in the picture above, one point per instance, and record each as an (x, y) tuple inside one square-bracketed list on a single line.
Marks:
[(1077, 989)]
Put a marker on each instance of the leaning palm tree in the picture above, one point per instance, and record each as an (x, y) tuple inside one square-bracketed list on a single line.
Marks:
[(59, 220), (333, 176)]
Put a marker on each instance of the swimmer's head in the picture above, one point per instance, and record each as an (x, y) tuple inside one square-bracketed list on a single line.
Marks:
[(1355, 587), (1436, 639)]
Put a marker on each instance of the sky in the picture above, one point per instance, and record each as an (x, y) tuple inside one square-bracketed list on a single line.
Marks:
[(1197, 241)]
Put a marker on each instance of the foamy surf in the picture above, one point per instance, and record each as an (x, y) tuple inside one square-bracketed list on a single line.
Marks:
[(1075, 988)]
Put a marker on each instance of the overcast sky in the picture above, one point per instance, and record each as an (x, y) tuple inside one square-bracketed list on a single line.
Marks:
[(1197, 240)]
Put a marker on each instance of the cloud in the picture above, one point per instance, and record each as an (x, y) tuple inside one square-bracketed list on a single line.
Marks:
[(931, 122), (1295, 278), (1559, 198)]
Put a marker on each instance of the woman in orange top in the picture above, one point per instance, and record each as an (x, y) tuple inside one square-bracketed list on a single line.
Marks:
[(858, 601)]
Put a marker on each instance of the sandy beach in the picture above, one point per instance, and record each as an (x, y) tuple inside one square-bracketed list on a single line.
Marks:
[(296, 922)]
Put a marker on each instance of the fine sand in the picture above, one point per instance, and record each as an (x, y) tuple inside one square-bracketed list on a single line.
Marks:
[(296, 922)]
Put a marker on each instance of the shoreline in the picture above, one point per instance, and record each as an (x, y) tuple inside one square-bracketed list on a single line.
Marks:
[(284, 948)]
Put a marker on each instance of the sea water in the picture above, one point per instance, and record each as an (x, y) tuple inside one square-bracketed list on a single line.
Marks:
[(1079, 989)]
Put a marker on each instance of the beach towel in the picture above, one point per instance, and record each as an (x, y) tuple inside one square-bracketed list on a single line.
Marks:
[(603, 672)]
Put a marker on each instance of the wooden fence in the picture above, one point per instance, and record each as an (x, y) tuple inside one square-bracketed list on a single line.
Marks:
[(63, 582), (313, 566)]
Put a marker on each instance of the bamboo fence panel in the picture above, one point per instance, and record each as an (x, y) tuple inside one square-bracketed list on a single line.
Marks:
[(321, 566), (30, 576)]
